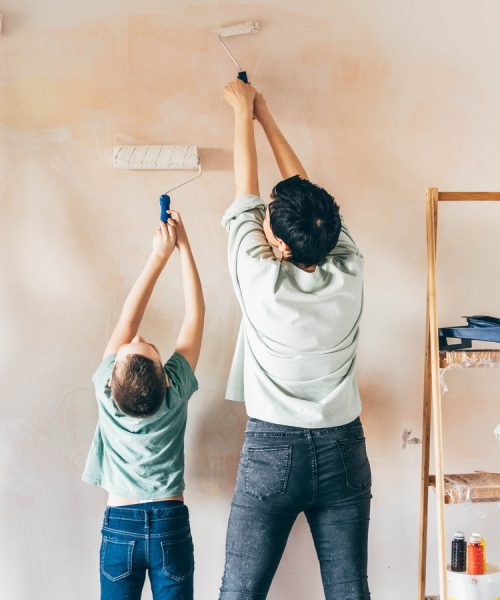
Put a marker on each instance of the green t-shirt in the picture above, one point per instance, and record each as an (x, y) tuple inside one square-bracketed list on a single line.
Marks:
[(141, 458)]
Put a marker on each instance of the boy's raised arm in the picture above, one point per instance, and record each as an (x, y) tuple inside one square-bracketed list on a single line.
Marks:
[(190, 335), (288, 162), (240, 97), (135, 304)]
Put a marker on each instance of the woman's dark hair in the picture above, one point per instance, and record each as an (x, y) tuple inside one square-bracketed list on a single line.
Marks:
[(138, 386), (306, 218)]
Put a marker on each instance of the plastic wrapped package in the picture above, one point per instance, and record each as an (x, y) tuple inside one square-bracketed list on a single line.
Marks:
[(471, 487), (466, 360)]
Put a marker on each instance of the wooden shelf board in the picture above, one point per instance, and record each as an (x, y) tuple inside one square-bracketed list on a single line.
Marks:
[(470, 487), (468, 196), (469, 358)]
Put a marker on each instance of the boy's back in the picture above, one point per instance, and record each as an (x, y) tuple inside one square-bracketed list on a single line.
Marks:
[(141, 458)]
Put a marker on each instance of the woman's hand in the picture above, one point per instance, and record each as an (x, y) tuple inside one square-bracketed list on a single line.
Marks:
[(260, 109), (240, 96)]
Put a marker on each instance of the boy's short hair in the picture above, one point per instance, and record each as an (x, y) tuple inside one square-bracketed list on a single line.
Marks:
[(138, 385), (306, 218)]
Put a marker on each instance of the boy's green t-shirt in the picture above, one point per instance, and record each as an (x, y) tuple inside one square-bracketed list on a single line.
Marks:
[(137, 458)]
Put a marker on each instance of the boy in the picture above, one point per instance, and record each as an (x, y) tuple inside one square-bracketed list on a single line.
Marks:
[(137, 453), (304, 447)]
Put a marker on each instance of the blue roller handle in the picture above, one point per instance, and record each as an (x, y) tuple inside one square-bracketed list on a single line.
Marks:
[(243, 76), (164, 206)]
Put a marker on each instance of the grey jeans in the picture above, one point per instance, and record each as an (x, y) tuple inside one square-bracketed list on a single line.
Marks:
[(284, 471)]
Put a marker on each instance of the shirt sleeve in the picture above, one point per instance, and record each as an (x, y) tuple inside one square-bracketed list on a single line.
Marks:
[(249, 206), (244, 220), (101, 377), (249, 252), (181, 376), (346, 245)]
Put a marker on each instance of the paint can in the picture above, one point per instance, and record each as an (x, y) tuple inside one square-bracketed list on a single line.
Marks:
[(462, 586)]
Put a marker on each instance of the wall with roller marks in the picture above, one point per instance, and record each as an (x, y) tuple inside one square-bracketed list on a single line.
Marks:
[(380, 99)]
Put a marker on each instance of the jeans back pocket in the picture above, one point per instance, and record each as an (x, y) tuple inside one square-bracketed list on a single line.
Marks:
[(116, 558), (267, 469), (356, 463), (178, 558)]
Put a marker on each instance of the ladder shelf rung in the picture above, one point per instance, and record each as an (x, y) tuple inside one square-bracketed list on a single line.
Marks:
[(468, 196), (469, 358), (470, 487)]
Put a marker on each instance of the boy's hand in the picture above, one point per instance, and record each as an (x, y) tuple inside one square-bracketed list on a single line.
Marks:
[(176, 222), (164, 240), (240, 96)]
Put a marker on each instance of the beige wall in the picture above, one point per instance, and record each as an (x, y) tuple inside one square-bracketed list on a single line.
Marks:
[(380, 99)]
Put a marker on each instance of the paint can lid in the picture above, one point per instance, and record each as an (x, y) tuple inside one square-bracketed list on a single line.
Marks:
[(459, 535), (475, 538)]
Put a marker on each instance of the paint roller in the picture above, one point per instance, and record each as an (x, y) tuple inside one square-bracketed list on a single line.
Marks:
[(159, 157), (242, 29)]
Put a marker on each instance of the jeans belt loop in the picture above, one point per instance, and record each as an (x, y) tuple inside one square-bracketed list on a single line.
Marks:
[(106, 516)]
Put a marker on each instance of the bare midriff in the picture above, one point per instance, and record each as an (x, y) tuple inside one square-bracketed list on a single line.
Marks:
[(117, 501)]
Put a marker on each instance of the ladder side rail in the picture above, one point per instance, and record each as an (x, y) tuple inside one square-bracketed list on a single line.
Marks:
[(437, 420)]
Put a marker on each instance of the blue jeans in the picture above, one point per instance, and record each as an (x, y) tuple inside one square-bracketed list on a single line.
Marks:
[(284, 471), (153, 537)]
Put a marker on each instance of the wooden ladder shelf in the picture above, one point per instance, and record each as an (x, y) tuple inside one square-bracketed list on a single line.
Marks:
[(466, 487)]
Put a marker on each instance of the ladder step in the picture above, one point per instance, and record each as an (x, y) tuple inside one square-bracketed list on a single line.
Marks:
[(470, 487), (469, 358)]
